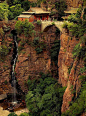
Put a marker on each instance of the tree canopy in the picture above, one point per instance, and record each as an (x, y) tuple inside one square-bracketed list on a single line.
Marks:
[(14, 11), (4, 11), (44, 97)]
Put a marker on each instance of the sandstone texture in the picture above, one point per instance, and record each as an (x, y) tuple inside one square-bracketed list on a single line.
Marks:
[(69, 69), (5, 64), (30, 64)]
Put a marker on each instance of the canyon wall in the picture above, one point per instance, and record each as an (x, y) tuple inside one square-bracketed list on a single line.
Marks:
[(6, 52), (29, 63), (69, 69)]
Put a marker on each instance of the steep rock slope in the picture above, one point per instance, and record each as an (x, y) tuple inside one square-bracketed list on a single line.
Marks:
[(6, 51), (69, 69), (30, 63)]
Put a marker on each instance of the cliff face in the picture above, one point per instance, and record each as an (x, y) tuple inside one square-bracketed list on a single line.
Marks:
[(6, 51), (30, 63), (69, 69)]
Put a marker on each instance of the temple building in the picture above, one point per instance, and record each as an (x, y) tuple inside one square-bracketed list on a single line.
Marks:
[(69, 12), (34, 14)]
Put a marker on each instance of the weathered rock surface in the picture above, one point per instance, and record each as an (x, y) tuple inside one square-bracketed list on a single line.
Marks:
[(31, 64), (5, 63), (66, 62)]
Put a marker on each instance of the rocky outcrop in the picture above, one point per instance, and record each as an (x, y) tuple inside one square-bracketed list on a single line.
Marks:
[(69, 69), (5, 62)]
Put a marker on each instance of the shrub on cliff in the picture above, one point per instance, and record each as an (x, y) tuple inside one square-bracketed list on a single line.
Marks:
[(3, 52), (38, 22), (44, 97), (79, 105), (65, 24), (24, 27)]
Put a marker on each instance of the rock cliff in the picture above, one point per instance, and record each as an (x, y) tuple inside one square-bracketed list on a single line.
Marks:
[(69, 69), (6, 51), (30, 64)]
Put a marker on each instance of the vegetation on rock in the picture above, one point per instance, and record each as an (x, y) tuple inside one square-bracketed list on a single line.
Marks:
[(77, 27)]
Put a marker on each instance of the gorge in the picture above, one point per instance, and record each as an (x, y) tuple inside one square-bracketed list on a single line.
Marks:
[(45, 70)]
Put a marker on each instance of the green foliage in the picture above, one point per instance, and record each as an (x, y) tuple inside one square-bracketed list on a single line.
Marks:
[(60, 6), (69, 68), (55, 51), (40, 46), (34, 4), (12, 114), (24, 114), (83, 79), (65, 24), (53, 23), (79, 11), (5, 82), (19, 26), (83, 69), (24, 27), (36, 41), (84, 16), (44, 97), (39, 50), (25, 5), (79, 105), (38, 22), (3, 52), (73, 18), (15, 11), (4, 11), (84, 2), (1, 32)]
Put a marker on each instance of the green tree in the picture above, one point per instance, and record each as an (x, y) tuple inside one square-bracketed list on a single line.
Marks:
[(79, 105), (1, 33), (44, 97), (24, 114), (4, 11), (14, 11), (60, 5), (25, 5), (24, 27), (19, 26), (12, 114)]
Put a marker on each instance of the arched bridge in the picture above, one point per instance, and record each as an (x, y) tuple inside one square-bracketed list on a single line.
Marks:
[(46, 24)]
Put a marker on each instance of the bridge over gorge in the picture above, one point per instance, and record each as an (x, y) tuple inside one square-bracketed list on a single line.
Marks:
[(47, 24)]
